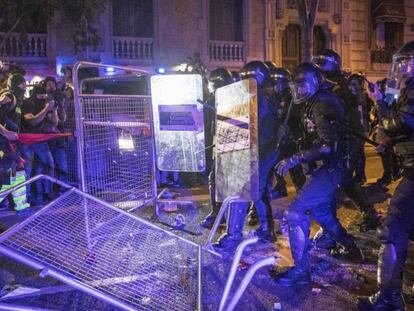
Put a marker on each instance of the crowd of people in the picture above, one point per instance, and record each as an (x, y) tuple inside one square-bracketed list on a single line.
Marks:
[(39, 112), (322, 146)]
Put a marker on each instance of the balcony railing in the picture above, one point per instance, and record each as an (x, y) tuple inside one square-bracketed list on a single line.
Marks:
[(31, 45), (133, 48), (226, 51), (382, 56)]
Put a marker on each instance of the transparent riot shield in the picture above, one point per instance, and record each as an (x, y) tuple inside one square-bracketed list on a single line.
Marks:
[(237, 141), (178, 122)]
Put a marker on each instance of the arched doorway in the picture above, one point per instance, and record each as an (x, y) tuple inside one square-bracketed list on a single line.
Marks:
[(291, 46), (319, 39), (291, 50)]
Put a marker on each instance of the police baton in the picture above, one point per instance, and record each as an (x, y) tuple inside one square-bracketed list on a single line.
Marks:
[(360, 136), (285, 124), (205, 105)]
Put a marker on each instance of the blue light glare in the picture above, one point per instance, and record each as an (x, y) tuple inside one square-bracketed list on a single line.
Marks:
[(161, 70), (110, 69)]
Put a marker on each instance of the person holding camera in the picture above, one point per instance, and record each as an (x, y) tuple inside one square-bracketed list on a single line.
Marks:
[(55, 124), (39, 116)]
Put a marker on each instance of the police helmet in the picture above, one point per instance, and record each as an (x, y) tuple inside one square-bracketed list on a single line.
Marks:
[(328, 60), (401, 69), (257, 70), (306, 80), (278, 78), (219, 77), (236, 76)]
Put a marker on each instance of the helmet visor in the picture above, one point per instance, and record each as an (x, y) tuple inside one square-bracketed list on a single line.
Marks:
[(401, 69), (302, 90)]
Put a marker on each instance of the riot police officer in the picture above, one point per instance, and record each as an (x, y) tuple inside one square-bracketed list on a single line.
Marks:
[(278, 80), (364, 107), (313, 201), (267, 114), (330, 64), (397, 118), (218, 78)]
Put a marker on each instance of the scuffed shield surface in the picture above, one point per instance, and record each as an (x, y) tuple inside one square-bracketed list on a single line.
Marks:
[(178, 122), (237, 141)]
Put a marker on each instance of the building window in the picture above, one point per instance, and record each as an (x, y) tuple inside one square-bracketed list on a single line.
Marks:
[(133, 18), (291, 4), (393, 35), (323, 5), (389, 38), (226, 20)]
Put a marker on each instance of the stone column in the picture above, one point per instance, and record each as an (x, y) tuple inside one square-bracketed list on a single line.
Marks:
[(270, 9)]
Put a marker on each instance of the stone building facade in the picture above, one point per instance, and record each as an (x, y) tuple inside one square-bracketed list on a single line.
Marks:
[(153, 33)]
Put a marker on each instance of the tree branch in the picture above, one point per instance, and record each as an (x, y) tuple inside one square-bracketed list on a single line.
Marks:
[(312, 12), (7, 34), (302, 11)]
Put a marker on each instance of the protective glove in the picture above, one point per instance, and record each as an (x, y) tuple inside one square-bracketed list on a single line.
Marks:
[(283, 167)]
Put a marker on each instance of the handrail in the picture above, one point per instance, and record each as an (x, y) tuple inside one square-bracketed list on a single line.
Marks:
[(233, 268)]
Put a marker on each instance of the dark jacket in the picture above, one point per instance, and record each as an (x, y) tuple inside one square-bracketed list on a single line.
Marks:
[(323, 108)]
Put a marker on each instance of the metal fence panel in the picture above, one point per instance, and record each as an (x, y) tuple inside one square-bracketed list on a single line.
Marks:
[(113, 253), (118, 149), (71, 143)]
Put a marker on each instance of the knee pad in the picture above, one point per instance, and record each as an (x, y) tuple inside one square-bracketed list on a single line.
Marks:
[(293, 217), (385, 235)]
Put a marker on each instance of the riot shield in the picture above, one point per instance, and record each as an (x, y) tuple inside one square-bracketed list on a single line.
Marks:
[(237, 141), (178, 122)]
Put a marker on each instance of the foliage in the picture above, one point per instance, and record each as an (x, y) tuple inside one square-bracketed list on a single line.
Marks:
[(27, 16)]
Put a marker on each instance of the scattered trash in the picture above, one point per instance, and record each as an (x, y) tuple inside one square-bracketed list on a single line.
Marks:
[(167, 194), (179, 221), (145, 301), (16, 290), (170, 207), (316, 290), (243, 266), (277, 306)]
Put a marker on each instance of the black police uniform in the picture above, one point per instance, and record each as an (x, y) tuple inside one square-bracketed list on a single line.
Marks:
[(355, 147), (290, 144), (314, 199), (398, 123)]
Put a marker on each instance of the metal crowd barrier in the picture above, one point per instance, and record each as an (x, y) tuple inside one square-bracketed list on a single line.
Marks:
[(107, 253), (115, 144)]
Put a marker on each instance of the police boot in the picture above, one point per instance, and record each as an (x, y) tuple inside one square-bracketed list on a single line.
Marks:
[(389, 296), (265, 232), (208, 222), (300, 273), (369, 220), (234, 235), (323, 240), (347, 248), (252, 219)]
